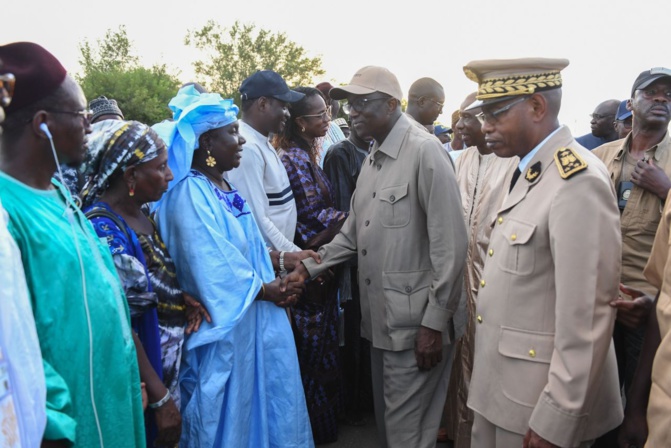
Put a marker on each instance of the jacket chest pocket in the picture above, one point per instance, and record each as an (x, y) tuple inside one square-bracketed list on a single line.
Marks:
[(517, 252), (394, 206)]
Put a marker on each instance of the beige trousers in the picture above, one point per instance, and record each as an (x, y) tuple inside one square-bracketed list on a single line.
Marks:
[(486, 435), (408, 402)]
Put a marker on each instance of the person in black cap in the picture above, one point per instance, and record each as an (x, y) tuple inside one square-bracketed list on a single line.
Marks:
[(104, 109), (261, 178), (640, 167)]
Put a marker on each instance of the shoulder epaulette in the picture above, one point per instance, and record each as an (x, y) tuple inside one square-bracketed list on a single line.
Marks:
[(568, 162)]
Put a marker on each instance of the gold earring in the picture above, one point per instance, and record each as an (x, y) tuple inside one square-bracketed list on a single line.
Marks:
[(210, 161)]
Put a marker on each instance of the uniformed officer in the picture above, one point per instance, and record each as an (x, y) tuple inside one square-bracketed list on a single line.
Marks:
[(544, 373)]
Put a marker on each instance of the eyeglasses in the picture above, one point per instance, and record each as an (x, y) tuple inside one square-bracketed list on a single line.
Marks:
[(601, 116), (86, 114), (435, 102), (326, 115), (360, 104), (492, 117), (7, 82)]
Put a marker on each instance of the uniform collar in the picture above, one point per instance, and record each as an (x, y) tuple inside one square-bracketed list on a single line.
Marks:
[(524, 161)]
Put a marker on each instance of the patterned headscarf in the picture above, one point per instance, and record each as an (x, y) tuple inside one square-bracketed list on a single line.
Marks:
[(114, 146), (194, 113)]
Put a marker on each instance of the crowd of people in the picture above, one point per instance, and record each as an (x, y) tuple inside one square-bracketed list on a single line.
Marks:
[(257, 281)]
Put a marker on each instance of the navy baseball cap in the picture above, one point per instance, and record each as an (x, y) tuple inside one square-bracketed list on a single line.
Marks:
[(269, 84), (440, 129), (648, 77), (622, 112)]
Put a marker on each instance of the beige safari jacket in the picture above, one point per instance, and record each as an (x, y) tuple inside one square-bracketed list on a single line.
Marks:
[(406, 226)]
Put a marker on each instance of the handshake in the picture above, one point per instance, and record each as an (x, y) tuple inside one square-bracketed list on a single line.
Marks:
[(284, 292)]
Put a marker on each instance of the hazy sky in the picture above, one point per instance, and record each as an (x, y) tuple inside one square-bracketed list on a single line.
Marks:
[(609, 42)]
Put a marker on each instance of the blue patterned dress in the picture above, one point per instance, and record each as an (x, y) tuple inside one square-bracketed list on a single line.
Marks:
[(315, 316)]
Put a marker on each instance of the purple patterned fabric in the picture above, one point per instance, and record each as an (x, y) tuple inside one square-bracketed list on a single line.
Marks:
[(312, 192)]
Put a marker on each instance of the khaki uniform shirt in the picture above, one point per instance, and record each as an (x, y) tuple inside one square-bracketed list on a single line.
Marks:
[(643, 211), (658, 273), (544, 356), (406, 227)]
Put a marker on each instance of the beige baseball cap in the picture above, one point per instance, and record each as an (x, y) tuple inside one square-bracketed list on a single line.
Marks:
[(367, 80)]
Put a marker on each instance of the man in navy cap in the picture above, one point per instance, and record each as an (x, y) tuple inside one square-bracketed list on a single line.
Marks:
[(261, 178), (623, 120), (640, 167)]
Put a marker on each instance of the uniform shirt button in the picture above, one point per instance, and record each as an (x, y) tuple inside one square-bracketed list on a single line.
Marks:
[(479, 319), (482, 283), (408, 289), (513, 237), (373, 194), (367, 281), (392, 198), (491, 252), (367, 223), (364, 252), (500, 220), (532, 353)]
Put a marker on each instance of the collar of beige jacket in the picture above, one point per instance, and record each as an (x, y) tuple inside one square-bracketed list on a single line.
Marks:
[(545, 156), (392, 143), (660, 148)]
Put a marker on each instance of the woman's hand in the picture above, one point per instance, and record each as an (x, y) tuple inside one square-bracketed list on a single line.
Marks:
[(195, 313), (168, 424), (283, 298)]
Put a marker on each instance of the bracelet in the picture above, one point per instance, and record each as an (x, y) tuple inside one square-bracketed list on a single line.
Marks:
[(263, 291), (282, 269), (161, 402)]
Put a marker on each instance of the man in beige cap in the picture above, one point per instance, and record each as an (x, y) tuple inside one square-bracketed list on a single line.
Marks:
[(544, 372), (406, 227)]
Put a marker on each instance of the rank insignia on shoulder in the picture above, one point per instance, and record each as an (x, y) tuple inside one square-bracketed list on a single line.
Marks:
[(568, 162), (533, 172)]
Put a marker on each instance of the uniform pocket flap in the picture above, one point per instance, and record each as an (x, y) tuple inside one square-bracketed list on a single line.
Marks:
[(406, 282), (393, 194), (518, 232), (527, 345)]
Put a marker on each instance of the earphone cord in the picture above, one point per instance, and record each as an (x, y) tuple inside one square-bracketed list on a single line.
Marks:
[(86, 302)]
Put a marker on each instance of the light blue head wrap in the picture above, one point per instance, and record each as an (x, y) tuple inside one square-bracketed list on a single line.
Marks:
[(194, 114)]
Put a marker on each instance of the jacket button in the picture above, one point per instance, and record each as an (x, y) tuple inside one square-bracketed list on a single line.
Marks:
[(513, 237), (373, 194), (491, 252), (482, 283), (367, 223), (367, 281), (392, 198), (500, 220), (379, 167), (408, 289), (532, 353), (479, 319), (364, 252)]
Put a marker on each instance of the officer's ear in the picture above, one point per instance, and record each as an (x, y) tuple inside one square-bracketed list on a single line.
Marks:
[(539, 106)]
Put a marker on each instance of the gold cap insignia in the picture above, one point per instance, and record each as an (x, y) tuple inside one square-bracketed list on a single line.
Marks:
[(568, 162), (533, 172)]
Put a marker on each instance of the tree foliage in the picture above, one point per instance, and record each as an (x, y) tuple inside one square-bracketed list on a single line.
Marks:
[(231, 55), (110, 68)]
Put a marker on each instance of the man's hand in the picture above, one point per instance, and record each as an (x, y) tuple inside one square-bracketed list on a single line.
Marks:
[(650, 177), (533, 440), (428, 348), (286, 297), (633, 313), (292, 259), (634, 430), (195, 313), (298, 275), (168, 424)]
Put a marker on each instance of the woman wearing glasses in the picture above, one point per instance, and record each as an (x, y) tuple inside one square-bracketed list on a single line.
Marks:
[(315, 316)]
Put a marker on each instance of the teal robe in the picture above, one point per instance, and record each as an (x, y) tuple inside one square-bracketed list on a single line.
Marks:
[(49, 238)]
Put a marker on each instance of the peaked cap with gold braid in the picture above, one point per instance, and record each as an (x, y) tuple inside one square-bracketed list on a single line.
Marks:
[(500, 79)]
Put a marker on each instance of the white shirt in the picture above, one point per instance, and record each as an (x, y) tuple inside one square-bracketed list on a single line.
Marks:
[(23, 391), (262, 180)]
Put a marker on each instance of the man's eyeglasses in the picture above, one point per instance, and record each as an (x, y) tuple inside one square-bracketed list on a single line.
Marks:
[(326, 115), (86, 114), (360, 104), (7, 82), (492, 117), (601, 116), (435, 102)]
